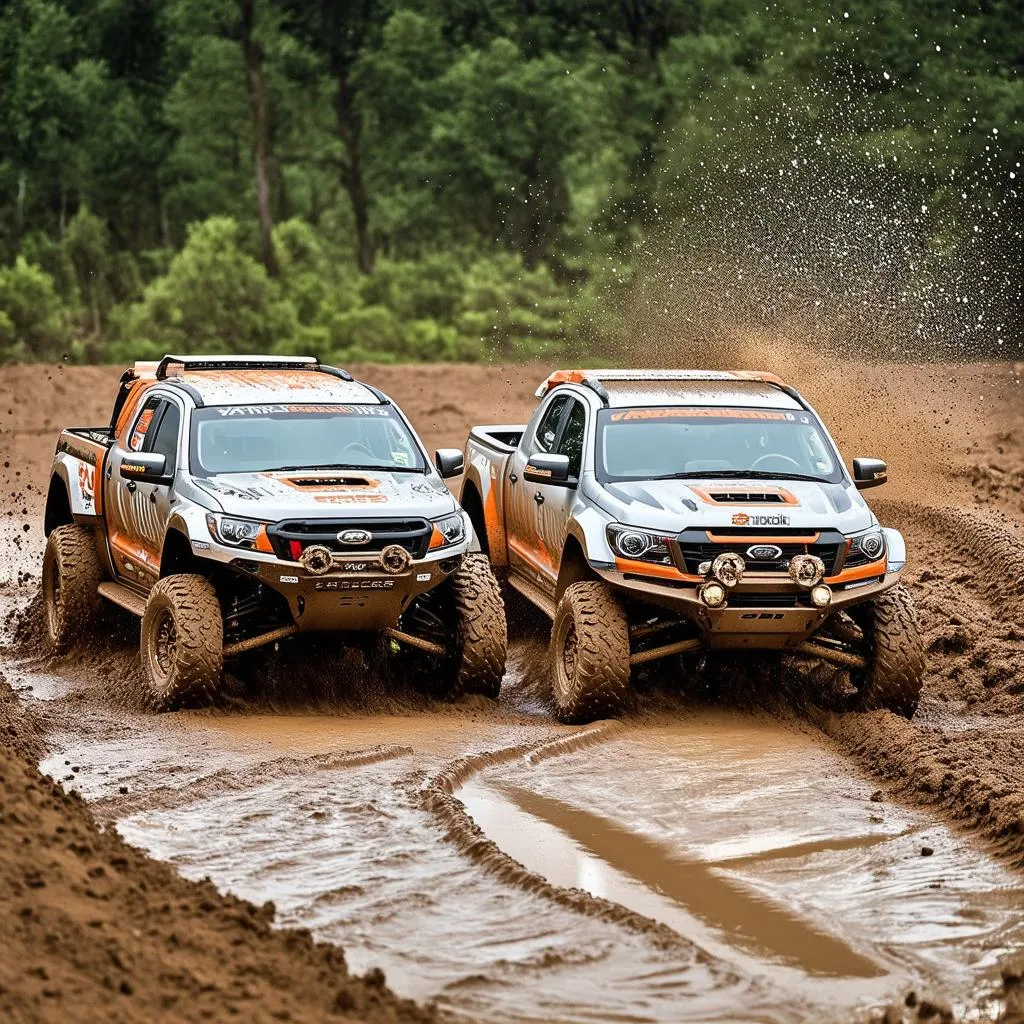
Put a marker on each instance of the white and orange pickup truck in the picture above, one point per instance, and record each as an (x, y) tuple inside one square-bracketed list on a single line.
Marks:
[(234, 501), (656, 514)]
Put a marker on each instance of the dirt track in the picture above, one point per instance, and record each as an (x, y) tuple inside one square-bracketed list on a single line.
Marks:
[(729, 853)]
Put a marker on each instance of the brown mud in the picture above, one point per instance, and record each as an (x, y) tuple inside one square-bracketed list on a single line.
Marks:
[(731, 851)]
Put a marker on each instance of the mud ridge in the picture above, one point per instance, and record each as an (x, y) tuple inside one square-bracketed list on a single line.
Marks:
[(227, 781), (983, 536), (438, 796), (94, 930), (930, 767)]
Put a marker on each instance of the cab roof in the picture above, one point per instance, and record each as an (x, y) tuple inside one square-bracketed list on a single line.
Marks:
[(258, 380), (626, 388)]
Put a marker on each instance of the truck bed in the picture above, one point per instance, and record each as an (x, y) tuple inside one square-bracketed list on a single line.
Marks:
[(98, 435), (503, 439)]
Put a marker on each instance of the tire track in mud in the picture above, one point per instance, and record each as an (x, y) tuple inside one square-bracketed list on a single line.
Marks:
[(438, 797), (963, 754)]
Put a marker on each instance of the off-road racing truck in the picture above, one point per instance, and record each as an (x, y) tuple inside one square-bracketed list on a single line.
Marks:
[(667, 513), (232, 502)]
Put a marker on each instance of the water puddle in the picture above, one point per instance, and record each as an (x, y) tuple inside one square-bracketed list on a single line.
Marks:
[(758, 844)]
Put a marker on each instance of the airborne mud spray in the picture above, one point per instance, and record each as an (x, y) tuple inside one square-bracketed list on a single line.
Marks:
[(827, 217)]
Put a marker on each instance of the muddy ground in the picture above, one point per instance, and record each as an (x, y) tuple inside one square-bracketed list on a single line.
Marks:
[(729, 852)]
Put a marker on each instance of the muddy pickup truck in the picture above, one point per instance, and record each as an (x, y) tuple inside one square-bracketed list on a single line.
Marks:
[(657, 514), (234, 501)]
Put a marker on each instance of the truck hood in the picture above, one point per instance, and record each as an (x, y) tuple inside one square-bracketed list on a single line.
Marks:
[(327, 495), (675, 505)]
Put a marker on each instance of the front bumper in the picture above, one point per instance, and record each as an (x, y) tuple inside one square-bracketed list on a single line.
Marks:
[(763, 611), (355, 594)]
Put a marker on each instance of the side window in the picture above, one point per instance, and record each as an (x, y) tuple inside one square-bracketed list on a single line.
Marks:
[(163, 440), (142, 425), (573, 436), (547, 430)]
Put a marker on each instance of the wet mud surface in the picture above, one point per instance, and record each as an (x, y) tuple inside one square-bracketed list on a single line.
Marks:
[(731, 851)]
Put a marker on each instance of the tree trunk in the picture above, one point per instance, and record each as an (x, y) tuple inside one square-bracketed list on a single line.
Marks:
[(349, 130), (257, 89)]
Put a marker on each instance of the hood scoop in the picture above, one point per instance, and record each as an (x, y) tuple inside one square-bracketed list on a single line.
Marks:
[(748, 497), (323, 482)]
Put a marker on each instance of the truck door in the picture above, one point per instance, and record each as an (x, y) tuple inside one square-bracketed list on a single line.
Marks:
[(526, 549), (136, 511), (555, 502)]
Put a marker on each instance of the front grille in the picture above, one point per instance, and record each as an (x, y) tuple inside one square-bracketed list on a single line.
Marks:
[(694, 554), (411, 534)]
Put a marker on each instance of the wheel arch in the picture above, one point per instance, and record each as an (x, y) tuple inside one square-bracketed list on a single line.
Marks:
[(473, 505), (574, 566), (177, 555), (58, 505)]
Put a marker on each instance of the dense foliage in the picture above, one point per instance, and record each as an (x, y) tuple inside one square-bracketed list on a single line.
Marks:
[(412, 179)]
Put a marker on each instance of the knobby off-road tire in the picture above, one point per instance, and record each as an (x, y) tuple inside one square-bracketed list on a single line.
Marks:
[(895, 672), (589, 654), (71, 574), (182, 642), (481, 633)]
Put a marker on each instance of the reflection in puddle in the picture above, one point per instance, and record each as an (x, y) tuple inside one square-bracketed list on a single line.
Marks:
[(743, 917)]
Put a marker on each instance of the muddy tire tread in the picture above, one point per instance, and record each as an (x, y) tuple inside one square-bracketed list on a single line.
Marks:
[(200, 641), (600, 687), (71, 550), (895, 678), (482, 630)]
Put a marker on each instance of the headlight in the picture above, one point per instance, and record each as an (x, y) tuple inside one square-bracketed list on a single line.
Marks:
[(865, 548), (238, 533), (449, 530), (640, 545), (872, 544)]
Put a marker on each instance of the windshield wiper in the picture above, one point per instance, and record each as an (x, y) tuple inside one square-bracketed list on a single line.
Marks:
[(739, 474), (345, 465)]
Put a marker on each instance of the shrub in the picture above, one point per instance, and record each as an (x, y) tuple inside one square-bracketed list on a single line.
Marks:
[(214, 298), (32, 324)]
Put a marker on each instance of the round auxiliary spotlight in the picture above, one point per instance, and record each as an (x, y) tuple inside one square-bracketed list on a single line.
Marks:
[(821, 595), (317, 560), (806, 570), (395, 559), (728, 568), (712, 593)]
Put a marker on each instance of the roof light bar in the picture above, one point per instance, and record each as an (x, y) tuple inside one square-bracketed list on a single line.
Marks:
[(194, 364)]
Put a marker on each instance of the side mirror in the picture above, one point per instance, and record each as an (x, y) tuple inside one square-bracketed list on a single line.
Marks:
[(547, 469), (449, 462), (148, 467), (869, 473)]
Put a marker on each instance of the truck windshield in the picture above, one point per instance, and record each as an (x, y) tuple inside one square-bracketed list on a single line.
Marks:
[(267, 438), (708, 443)]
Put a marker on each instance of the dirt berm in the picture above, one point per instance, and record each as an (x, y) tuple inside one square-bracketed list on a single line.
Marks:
[(94, 930)]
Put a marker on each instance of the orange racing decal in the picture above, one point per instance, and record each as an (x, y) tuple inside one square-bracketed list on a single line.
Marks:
[(537, 557), (860, 572), (714, 538), (685, 412), (665, 572)]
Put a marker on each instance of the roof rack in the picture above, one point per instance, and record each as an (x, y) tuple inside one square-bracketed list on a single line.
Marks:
[(593, 378), (195, 364)]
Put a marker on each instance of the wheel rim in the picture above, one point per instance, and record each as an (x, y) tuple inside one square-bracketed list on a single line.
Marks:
[(570, 649), (165, 644), (565, 657)]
